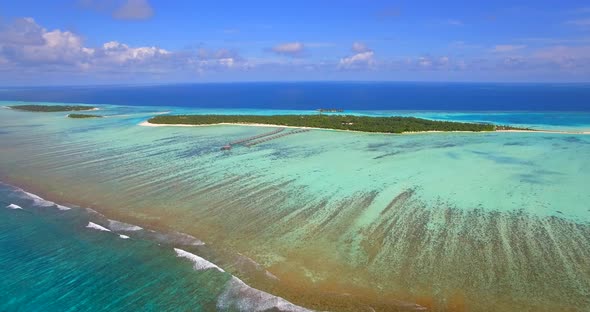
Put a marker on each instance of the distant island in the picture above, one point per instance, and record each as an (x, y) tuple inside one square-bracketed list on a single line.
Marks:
[(337, 122), (330, 110), (52, 108), (81, 116)]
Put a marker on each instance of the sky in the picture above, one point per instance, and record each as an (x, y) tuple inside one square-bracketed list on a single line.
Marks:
[(72, 42)]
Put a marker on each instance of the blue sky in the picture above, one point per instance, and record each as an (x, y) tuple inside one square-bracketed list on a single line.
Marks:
[(155, 41)]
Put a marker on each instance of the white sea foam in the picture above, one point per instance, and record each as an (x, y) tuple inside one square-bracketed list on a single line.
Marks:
[(122, 226), (61, 207), (186, 239), (199, 263), (13, 206), (238, 296), (92, 225), (95, 213), (39, 201), (123, 236)]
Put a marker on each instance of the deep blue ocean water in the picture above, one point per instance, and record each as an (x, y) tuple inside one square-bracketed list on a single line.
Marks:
[(313, 95)]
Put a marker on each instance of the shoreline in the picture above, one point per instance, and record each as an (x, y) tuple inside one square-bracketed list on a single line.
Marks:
[(149, 124)]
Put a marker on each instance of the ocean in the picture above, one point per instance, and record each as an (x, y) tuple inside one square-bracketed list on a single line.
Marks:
[(310, 96), (159, 218)]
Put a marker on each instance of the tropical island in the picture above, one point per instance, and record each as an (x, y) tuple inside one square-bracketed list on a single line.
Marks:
[(336, 122), (82, 116), (52, 108), (330, 110)]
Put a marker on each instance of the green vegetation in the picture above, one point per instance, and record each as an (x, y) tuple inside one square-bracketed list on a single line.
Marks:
[(506, 127), (341, 122), (51, 108), (84, 116)]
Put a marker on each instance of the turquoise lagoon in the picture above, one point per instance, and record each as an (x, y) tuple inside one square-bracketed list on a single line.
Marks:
[(329, 220)]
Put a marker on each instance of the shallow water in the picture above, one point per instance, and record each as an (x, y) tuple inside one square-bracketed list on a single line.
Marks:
[(451, 221)]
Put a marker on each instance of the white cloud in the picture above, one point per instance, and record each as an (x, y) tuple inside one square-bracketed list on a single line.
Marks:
[(27, 46), (218, 59), (363, 57), (119, 53), (293, 49), (22, 31), (360, 47), (358, 61), (28, 43), (424, 61), (503, 48), (134, 10)]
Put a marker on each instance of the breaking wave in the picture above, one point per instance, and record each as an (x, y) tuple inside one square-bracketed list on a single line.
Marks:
[(39, 201), (238, 296), (13, 206), (92, 225), (199, 263), (123, 227)]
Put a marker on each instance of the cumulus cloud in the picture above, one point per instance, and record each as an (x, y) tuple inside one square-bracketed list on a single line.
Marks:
[(25, 42), (23, 31), (292, 49), (134, 10), (360, 47), (33, 45), (502, 48), (218, 59), (358, 61), (362, 59), (26, 46), (428, 63), (120, 53)]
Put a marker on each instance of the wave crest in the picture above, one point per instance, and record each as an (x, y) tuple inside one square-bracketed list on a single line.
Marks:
[(94, 226), (14, 206), (238, 296), (122, 226), (199, 263), (39, 201)]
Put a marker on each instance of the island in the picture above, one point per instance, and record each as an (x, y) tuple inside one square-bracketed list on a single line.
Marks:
[(335, 122), (81, 116), (52, 108), (330, 110)]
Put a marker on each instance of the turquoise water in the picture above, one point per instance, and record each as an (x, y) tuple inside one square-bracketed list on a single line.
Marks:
[(50, 261), (55, 258), (451, 221)]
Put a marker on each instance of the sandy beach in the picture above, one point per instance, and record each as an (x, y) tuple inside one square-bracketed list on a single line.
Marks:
[(148, 124)]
